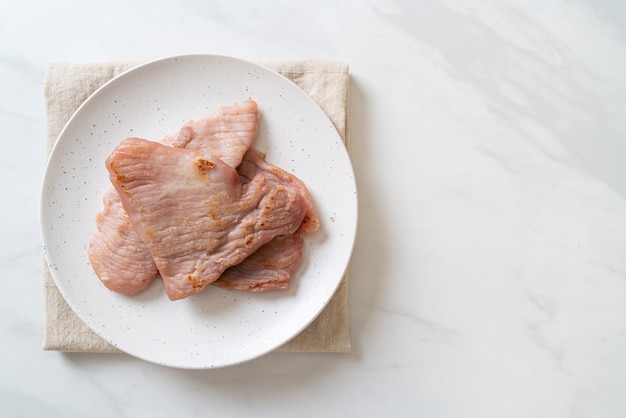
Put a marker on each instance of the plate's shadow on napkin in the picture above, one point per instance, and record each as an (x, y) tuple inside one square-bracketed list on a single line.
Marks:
[(369, 263)]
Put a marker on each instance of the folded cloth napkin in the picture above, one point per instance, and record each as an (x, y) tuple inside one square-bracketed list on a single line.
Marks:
[(67, 85)]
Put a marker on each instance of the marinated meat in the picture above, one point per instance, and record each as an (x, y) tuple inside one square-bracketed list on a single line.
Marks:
[(194, 214), (254, 164), (269, 268), (226, 133), (117, 254)]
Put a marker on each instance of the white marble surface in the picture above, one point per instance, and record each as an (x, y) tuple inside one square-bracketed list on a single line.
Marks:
[(489, 145)]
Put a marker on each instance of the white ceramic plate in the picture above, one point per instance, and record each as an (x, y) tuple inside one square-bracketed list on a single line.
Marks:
[(217, 327)]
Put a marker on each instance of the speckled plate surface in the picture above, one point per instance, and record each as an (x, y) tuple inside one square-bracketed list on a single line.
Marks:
[(217, 327)]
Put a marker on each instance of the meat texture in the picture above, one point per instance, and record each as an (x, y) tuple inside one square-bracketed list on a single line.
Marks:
[(118, 256), (226, 133), (269, 268), (195, 215), (254, 164), (272, 266)]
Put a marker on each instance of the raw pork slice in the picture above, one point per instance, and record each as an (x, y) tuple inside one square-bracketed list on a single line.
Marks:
[(194, 214), (269, 268), (272, 266), (254, 164), (118, 256), (226, 133)]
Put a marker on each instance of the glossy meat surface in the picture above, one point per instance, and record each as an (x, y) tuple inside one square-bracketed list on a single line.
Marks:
[(269, 268), (194, 214), (118, 256), (226, 133)]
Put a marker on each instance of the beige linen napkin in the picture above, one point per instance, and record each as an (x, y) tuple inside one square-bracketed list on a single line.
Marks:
[(69, 84)]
